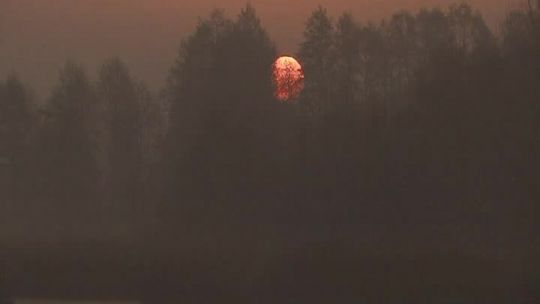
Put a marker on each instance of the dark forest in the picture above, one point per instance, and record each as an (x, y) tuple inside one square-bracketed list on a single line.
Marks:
[(405, 172)]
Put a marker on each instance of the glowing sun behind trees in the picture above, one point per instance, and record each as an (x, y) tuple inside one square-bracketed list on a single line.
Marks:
[(288, 78)]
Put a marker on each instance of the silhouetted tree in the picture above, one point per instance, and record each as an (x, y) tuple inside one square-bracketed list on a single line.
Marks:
[(221, 137), (15, 126), (374, 74), (68, 168), (154, 122), (122, 98), (187, 92), (347, 42), (403, 49), (318, 59), (519, 113)]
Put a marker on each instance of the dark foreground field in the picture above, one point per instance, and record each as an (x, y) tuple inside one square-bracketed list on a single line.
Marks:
[(319, 273)]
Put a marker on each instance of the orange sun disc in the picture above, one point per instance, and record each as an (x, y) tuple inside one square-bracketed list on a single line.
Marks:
[(288, 78)]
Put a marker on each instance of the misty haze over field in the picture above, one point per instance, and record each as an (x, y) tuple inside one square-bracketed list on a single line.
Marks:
[(161, 152)]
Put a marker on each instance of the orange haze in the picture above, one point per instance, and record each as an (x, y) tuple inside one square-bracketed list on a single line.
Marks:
[(37, 36)]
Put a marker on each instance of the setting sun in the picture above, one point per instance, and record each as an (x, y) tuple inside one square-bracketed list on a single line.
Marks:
[(288, 78)]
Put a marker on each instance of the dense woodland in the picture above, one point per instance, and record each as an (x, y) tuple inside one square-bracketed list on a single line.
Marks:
[(416, 136)]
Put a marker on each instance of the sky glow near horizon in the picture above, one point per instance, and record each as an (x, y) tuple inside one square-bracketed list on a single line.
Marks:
[(38, 36)]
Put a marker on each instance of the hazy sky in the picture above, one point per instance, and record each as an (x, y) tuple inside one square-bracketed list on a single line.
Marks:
[(37, 36)]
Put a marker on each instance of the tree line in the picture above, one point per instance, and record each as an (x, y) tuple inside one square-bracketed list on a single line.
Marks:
[(426, 119)]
